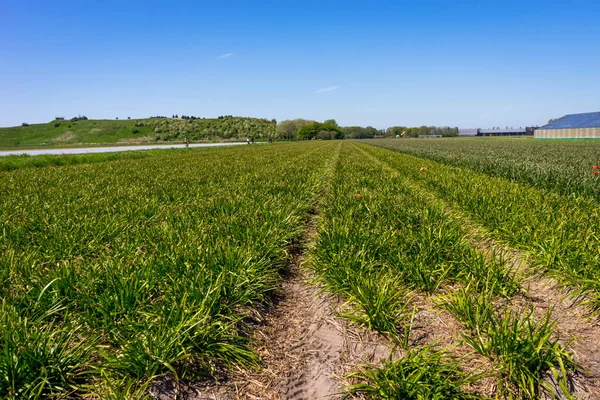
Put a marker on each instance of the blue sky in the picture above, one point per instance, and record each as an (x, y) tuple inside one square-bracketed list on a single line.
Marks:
[(379, 63)]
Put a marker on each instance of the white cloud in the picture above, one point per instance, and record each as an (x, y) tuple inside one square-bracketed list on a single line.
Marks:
[(327, 89), (225, 56)]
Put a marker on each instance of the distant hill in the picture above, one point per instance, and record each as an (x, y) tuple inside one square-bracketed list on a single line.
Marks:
[(133, 131)]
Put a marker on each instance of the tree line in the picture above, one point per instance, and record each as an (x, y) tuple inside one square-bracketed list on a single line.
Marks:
[(308, 129), (404, 131), (226, 127)]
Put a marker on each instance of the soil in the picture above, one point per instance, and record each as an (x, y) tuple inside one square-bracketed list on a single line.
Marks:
[(575, 328), (65, 137), (306, 350)]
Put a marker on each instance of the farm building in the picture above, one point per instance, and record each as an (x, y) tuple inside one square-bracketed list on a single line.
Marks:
[(468, 132), (497, 132), (572, 126), (503, 132)]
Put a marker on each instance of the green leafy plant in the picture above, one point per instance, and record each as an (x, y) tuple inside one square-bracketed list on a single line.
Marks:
[(420, 374)]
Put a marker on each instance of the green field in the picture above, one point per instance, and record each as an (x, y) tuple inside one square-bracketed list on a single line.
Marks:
[(116, 273), (134, 131), (562, 166), (13, 162)]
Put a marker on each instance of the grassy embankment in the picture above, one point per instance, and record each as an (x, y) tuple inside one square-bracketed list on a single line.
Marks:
[(138, 131)]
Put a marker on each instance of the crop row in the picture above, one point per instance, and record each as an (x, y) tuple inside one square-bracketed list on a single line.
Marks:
[(564, 167), (13, 162), (113, 274), (381, 244), (559, 232)]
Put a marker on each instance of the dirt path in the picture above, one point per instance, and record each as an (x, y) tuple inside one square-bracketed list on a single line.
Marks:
[(306, 350)]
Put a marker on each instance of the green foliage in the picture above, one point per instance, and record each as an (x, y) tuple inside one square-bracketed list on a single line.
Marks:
[(474, 309), (527, 351), (288, 129), (326, 131), (379, 303), (150, 268), (564, 167), (210, 129), (84, 131), (147, 269), (419, 375), (10, 163), (358, 132), (404, 131), (378, 240), (377, 223), (41, 358), (559, 232)]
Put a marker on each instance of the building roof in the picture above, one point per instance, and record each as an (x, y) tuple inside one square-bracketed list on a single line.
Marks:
[(511, 130), (467, 132), (573, 121)]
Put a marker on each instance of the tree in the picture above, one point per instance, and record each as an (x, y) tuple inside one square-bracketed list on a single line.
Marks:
[(288, 129), (272, 131), (396, 131), (358, 132), (308, 131), (321, 130)]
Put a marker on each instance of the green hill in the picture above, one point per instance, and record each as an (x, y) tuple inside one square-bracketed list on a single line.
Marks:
[(134, 131)]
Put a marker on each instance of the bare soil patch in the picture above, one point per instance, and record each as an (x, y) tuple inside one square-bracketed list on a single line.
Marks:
[(65, 137), (137, 140), (434, 326)]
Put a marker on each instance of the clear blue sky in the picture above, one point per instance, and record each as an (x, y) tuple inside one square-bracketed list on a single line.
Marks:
[(458, 63)]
